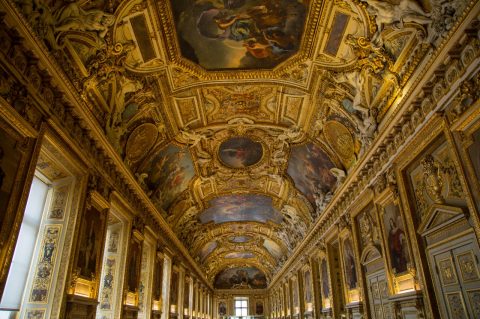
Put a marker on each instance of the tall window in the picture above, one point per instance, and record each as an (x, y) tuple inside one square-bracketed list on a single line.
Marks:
[(22, 256), (241, 306)]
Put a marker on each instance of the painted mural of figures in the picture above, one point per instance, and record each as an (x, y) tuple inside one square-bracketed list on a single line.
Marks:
[(387, 13), (73, 17), (349, 264), (222, 309), (260, 27), (308, 287), (132, 279), (325, 284), (397, 244), (240, 152), (87, 257), (239, 33)]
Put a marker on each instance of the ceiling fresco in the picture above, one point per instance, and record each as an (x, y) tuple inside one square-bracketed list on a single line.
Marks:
[(309, 168), (240, 152), (240, 255), (241, 208), (207, 250), (238, 34), (241, 119), (240, 277), (168, 174)]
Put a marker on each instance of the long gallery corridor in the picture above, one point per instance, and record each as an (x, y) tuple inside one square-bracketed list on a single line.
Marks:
[(239, 159)]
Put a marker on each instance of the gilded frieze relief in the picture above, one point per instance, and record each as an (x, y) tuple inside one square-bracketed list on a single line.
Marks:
[(435, 181)]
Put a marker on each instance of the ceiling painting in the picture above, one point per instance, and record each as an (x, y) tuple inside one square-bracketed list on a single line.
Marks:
[(273, 248), (240, 152), (238, 34), (207, 250), (240, 277), (240, 239), (169, 174), (239, 255), (241, 208), (225, 111), (309, 167)]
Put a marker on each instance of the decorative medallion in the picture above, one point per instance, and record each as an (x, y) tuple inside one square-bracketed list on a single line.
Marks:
[(341, 141), (240, 152), (238, 34), (141, 140)]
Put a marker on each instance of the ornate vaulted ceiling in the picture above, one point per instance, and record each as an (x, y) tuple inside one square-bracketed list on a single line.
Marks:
[(241, 118)]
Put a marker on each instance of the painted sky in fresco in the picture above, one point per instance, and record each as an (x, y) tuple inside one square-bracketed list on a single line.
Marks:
[(309, 168), (272, 248), (245, 207), (240, 277), (207, 249), (169, 174), (243, 254), (240, 239), (238, 34)]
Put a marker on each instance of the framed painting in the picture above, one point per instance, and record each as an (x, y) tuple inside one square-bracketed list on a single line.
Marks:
[(240, 152), (134, 264), (395, 234), (174, 291), (91, 240), (259, 307), (158, 277), (222, 308), (295, 296), (287, 299), (325, 284), (349, 267), (470, 158), (307, 282), (309, 167)]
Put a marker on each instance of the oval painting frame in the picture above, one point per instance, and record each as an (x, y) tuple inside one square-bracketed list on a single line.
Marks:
[(240, 152)]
